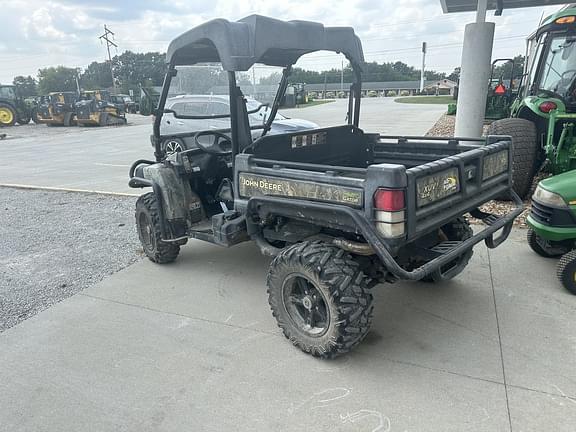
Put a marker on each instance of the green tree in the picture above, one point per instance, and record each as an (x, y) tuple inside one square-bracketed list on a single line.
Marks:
[(96, 76), (26, 85), (455, 75), (133, 69), (58, 78)]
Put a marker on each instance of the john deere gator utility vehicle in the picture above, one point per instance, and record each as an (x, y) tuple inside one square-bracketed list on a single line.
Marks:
[(542, 117), (57, 109), (13, 108), (339, 209), (552, 222), (95, 108)]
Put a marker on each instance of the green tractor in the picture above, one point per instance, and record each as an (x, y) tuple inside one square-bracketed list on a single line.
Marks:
[(542, 112), (552, 222), (13, 108)]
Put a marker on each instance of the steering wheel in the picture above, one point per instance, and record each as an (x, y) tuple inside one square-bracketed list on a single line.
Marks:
[(216, 148), (565, 82), (566, 72)]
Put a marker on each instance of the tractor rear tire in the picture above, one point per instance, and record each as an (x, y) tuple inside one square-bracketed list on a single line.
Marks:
[(457, 230), (149, 232), (525, 151), (320, 298), (7, 115), (566, 271)]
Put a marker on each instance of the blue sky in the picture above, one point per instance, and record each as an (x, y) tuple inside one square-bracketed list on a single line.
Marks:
[(41, 33)]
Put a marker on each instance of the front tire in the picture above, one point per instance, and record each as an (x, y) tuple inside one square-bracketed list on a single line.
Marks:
[(566, 271), (69, 119), (544, 247), (149, 232), (23, 120), (320, 298), (525, 148)]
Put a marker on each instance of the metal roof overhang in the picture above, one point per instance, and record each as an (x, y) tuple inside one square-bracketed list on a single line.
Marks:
[(451, 6)]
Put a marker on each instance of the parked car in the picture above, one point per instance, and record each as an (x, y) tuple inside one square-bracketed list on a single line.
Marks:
[(219, 105), (125, 103)]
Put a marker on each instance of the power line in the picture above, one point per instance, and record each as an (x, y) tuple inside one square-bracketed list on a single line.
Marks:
[(106, 37)]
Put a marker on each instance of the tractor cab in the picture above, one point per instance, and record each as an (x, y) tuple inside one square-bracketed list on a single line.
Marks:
[(502, 89), (13, 108), (542, 112)]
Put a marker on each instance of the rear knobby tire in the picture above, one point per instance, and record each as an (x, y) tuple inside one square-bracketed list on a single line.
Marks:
[(566, 271), (457, 230), (525, 148), (338, 298), (149, 232)]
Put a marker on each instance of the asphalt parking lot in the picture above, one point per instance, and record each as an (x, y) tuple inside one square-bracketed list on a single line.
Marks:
[(193, 345)]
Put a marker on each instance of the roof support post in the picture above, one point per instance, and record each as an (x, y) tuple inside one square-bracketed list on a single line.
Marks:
[(474, 77), (481, 11)]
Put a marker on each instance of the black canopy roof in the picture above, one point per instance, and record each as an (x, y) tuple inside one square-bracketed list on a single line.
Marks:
[(259, 39)]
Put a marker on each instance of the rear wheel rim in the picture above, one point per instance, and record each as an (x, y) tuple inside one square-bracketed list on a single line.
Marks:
[(146, 232), (6, 116), (306, 305)]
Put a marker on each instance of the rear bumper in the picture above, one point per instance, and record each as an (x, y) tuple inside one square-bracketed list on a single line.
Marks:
[(294, 208)]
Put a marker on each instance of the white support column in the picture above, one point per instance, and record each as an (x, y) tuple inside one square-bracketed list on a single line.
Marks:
[(474, 75), (481, 11)]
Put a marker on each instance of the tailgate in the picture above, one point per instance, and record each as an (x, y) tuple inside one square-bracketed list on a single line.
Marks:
[(438, 191)]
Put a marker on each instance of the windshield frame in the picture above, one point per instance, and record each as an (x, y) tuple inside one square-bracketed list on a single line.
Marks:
[(236, 95), (544, 52)]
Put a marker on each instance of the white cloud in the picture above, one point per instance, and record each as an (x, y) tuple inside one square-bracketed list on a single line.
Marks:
[(40, 33)]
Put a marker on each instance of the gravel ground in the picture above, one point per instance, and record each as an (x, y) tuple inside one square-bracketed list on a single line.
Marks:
[(55, 244), (445, 127)]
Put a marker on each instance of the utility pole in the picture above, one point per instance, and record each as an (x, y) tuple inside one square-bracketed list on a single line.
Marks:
[(342, 78), (106, 37), (422, 77)]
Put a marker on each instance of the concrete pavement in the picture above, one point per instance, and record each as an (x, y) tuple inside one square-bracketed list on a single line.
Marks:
[(193, 346), (99, 158)]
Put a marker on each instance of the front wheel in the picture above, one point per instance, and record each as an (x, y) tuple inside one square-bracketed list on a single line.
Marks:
[(320, 298), (566, 271), (149, 232), (24, 120), (543, 247)]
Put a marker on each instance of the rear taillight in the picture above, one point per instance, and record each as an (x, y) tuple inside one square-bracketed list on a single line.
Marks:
[(547, 106), (389, 199), (389, 214)]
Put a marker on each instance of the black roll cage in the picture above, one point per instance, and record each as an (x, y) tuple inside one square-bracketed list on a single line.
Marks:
[(236, 96)]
